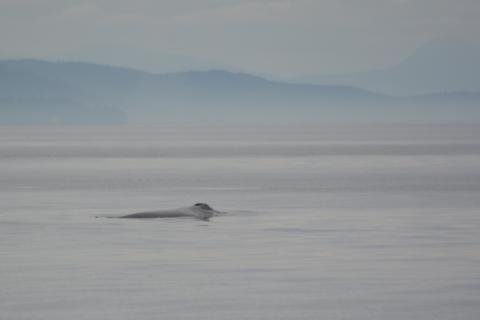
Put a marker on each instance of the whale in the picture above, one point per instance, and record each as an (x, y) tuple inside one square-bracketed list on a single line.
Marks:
[(200, 211)]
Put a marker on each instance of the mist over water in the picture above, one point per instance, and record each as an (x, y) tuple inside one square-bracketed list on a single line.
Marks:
[(330, 222)]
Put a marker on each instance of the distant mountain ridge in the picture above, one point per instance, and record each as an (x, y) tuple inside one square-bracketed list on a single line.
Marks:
[(442, 65), (83, 93)]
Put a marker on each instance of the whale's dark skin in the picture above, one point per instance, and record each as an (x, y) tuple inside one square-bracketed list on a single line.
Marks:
[(200, 211)]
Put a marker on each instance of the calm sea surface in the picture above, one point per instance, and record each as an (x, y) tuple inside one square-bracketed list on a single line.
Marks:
[(323, 223)]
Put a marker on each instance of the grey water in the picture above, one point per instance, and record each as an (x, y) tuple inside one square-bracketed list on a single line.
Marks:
[(329, 222)]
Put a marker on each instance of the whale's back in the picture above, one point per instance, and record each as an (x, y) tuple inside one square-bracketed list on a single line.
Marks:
[(158, 214)]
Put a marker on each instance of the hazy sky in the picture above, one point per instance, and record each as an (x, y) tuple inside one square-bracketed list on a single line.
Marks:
[(277, 37)]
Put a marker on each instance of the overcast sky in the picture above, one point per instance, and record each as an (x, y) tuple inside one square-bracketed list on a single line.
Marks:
[(284, 38)]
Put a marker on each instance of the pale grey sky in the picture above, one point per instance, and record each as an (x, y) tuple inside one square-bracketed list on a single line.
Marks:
[(284, 38)]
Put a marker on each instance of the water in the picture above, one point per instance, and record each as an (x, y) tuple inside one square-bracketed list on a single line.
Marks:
[(323, 223)]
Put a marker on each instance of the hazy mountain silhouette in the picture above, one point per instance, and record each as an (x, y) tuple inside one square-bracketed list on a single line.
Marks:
[(40, 92), (442, 65)]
